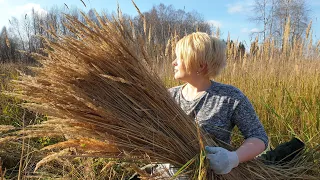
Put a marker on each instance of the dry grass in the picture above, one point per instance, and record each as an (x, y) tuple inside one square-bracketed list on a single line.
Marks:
[(283, 86), (101, 92), (109, 91)]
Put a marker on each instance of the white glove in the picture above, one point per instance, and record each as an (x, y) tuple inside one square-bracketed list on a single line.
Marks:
[(221, 160)]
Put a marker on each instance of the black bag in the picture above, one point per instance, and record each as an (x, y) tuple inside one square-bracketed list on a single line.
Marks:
[(284, 152)]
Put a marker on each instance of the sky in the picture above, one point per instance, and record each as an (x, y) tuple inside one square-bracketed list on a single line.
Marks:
[(232, 16)]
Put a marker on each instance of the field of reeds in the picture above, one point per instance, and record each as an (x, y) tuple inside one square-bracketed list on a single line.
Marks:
[(283, 83)]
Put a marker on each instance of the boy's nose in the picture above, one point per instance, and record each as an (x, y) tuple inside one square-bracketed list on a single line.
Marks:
[(174, 62)]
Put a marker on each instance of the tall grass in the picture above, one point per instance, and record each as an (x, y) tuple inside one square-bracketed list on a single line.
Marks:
[(282, 82), (11, 112)]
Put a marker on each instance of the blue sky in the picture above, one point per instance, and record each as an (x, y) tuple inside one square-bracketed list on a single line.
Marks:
[(231, 15)]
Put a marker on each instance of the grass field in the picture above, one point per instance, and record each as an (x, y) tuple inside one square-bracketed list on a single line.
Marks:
[(284, 87)]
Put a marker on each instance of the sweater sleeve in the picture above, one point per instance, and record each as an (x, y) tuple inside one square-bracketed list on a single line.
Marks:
[(246, 119)]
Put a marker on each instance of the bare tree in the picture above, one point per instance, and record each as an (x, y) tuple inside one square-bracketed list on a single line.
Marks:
[(166, 20), (273, 14), (297, 11), (263, 14), (8, 47), (162, 21)]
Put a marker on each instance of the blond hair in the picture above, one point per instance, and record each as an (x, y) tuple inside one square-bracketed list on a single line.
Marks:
[(201, 49)]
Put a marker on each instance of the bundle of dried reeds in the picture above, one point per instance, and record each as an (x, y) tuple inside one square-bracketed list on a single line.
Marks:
[(99, 91)]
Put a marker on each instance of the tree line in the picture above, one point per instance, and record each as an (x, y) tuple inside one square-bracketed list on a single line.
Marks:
[(22, 36), (273, 15)]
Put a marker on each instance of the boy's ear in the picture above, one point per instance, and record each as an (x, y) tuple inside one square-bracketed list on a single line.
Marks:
[(203, 67)]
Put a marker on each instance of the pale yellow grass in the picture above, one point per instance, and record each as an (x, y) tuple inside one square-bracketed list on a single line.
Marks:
[(100, 86)]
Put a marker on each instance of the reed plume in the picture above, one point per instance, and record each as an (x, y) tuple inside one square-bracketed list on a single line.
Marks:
[(99, 90)]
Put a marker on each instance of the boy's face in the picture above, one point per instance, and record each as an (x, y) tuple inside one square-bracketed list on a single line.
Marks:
[(179, 68), (180, 71)]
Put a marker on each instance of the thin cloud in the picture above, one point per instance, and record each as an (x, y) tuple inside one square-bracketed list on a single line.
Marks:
[(215, 23), (235, 8), (240, 7), (5, 11), (253, 30), (27, 9), (244, 30)]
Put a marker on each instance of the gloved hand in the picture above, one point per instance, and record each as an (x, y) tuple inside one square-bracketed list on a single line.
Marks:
[(221, 160), (284, 152)]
